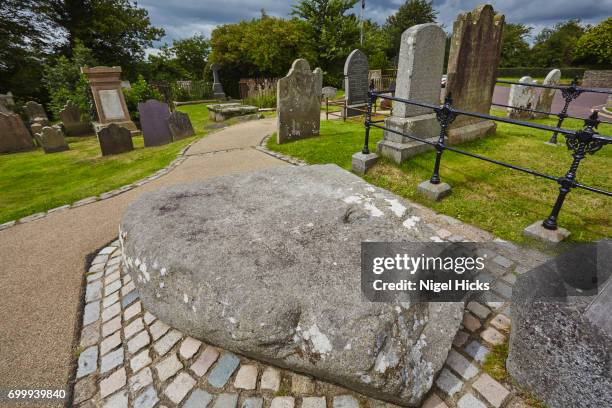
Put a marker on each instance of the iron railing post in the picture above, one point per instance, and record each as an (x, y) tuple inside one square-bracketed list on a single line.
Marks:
[(581, 143), (569, 94), (368, 119), (445, 116)]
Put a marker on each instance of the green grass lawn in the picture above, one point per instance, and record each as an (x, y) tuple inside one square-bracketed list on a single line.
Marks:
[(494, 198), (563, 81), (33, 181)]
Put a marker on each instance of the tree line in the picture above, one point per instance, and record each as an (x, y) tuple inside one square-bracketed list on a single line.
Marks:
[(43, 42)]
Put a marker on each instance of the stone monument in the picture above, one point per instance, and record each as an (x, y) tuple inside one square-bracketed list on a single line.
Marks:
[(154, 117), (14, 135), (300, 218), (220, 112), (356, 83), (52, 139), (71, 117), (115, 139), (419, 73), (36, 113), (180, 125), (318, 73), (298, 104), (329, 92), (105, 83), (523, 98), (217, 87), (547, 94), (474, 56)]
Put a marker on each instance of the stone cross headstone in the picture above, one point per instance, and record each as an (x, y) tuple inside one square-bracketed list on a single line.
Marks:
[(298, 104), (14, 135), (105, 83), (474, 56), (71, 118), (36, 113), (329, 92), (546, 94), (318, 73), (154, 122), (419, 75), (180, 125), (53, 140), (115, 139), (217, 87), (356, 83), (523, 98)]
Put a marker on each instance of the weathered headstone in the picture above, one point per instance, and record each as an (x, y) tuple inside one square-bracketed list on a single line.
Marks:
[(4, 108), (217, 87), (71, 118), (36, 113), (356, 83), (523, 98), (14, 135), (474, 56), (7, 99), (154, 122), (298, 104), (329, 92), (547, 94), (105, 83), (115, 139), (419, 74), (53, 140), (220, 112), (180, 125), (36, 130), (318, 73)]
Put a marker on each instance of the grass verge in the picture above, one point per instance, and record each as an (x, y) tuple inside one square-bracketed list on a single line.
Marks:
[(494, 198), (33, 181)]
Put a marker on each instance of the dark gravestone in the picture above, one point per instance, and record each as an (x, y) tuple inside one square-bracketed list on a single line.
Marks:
[(180, 125), (356, 82), (14, 135), (154, 122), (52, 139), (36, 113), (71, 118), (115, 139)]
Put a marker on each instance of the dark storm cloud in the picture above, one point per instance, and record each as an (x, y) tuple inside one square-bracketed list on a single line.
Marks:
[(183, 18)]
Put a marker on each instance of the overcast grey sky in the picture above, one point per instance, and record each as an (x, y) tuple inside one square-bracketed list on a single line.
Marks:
[(183, 18)]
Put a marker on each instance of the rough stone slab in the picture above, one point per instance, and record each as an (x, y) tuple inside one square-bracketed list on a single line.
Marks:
[(478, 309), (117, 400), (492, 336), (470, 322), (226, 401), (345, 401), (477, 351), (362, 162), (434, 402), (449, 383), (470, 401), (148, 398), (435, 192), (461, 365), (91, 313), (90, 335), (246, 378), (110, 343), (133, 328), (179, 387), (111, 360), (302, 385), (88, 362), (282, 402), (140, 360), (141, 379), (493, 391), (139, 341), (112, 383), (223, 370), (201, 399), (270, 379), (537, 231), (168, 367), (205, 361), (257, 402), (189, 347), (163, 345), (331, 204), (84, 389)]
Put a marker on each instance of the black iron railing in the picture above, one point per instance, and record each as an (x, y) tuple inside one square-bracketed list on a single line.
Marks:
[(580, 142), (569, 93)]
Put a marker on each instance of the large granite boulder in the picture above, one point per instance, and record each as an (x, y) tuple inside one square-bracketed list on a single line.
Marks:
[(267, 264), (561, 340)]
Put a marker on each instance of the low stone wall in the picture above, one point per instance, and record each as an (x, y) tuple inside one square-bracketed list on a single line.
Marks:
[(597, 79)]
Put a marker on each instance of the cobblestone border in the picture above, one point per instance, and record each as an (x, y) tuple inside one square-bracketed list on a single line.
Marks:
[(128, 357), (181, 157), (262, 147)]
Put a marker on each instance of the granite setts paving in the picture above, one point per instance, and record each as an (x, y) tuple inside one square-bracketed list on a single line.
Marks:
[(129, 358)]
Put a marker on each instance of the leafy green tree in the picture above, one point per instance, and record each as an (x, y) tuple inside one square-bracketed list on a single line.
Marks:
[(117, 31), (140, 91), (595, 46), (554, 47), (411, 13), (192, 54), (515, 48), (64, 81), (335, 33)]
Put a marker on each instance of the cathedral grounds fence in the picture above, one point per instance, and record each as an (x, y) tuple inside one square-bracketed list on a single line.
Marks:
[(580, 142), (569, 93)]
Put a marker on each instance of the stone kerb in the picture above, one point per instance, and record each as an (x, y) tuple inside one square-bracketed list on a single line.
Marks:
[(419, 73), (298, 104), (474, 57)]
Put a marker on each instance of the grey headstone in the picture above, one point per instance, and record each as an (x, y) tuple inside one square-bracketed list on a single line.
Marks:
[(546, 94), (523, 98), (217, 87), (115, 139), (356, 81), (329, 92), (180, 125), (14, 135), (277, 303), (298, 104), (4, 108), (36, 112), (318, 73), (53, 140), (154, 117), (71, 118)]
